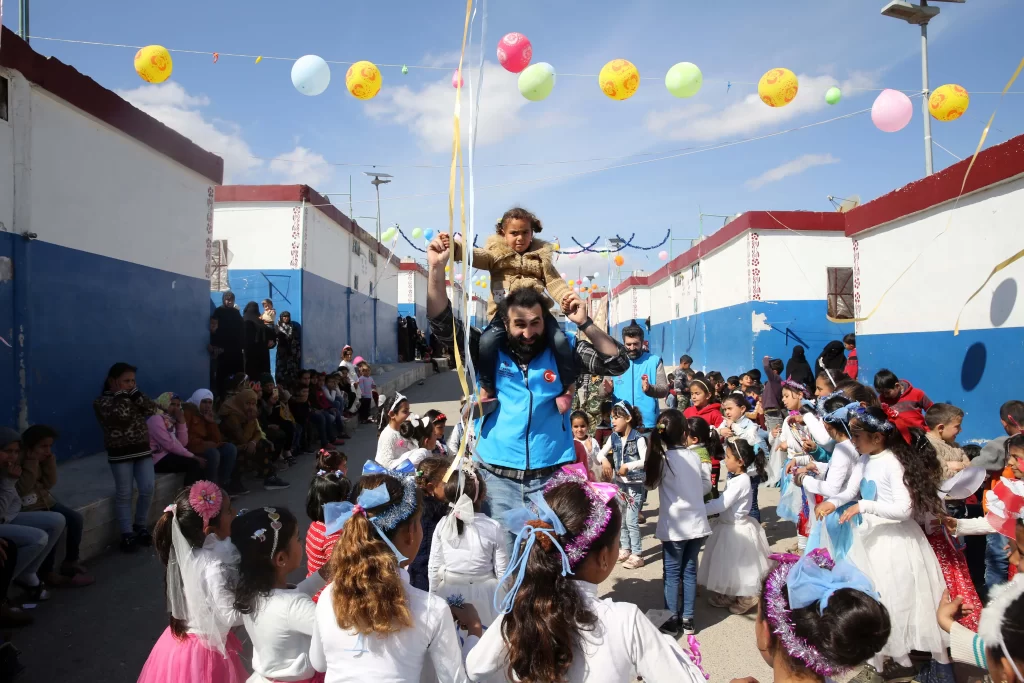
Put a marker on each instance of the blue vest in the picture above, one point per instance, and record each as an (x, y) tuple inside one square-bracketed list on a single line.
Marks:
[(628, 387), (526, 431)]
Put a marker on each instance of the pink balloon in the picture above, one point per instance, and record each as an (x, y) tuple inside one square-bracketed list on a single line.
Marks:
[(891, 111), (514, 52), (663, 255), (458, 277), (457, 81), (563, 275)]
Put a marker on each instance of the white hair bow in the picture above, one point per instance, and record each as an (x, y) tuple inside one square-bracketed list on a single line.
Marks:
[(462, 510)]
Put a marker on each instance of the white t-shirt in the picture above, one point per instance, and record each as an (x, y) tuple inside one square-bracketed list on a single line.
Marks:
[(478, 551), (281, 632), (684, 483)]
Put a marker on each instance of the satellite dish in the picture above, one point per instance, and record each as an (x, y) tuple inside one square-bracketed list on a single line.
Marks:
[(844, 205)]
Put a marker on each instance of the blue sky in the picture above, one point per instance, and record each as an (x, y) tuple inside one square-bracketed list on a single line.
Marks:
[(241, 110)]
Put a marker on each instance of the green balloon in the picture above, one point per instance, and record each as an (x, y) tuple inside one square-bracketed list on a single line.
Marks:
[(536, 81), (417, 233), (833, 95), (405, 69), (684, 79)]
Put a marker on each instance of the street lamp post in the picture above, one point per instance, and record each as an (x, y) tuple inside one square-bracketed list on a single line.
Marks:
[(378, 180), (920, 15)]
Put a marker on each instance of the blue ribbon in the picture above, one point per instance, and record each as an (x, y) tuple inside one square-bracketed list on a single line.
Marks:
[(526, 536), (808, 583), (337, 514), (405, 469)]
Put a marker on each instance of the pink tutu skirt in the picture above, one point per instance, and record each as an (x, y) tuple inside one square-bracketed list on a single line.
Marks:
[(191, 661)]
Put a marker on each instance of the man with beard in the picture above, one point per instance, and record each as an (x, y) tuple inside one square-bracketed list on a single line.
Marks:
[(645, 382), (525, 440)]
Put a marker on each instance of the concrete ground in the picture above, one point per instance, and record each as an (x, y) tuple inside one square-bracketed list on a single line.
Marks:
[(105, 632)]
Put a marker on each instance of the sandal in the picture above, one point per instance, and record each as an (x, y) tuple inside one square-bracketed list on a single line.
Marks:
[(37, 593)]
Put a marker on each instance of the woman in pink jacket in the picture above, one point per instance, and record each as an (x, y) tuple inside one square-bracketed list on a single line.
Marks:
[(168, 438)]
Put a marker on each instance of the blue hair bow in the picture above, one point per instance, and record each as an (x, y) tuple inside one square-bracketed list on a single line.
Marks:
[(336, 514), (405, 469), (808, 583), (526, 536)]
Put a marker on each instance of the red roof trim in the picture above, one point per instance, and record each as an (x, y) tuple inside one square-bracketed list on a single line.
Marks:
[(413, 266), (798, 221), (80, 91), (993, 165), (296, 194)]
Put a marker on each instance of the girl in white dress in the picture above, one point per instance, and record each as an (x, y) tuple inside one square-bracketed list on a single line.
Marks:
[(391, 445), (278, 618), (581, 433), (900, 482), (371, 624), (736, 556), (553, 627), (468, 553)]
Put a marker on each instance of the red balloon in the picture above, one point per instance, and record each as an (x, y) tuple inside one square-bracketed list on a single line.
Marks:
[(515, 52)]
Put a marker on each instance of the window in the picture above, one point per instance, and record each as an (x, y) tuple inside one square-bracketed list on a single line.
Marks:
[(4, 86), (840, 292), (220, 257), (373, 257), (677, 280), (355, 282), (357, 247), (695, 270)]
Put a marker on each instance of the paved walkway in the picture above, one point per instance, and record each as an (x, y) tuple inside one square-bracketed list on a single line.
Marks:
[(105, 632)]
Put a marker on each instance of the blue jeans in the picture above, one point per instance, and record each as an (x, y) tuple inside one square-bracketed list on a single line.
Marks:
[(320, 423), (755, 509), (220, 462), (35, 534), (679, 569), (997, 562), (629, 534), (508, 494), (141, 471)]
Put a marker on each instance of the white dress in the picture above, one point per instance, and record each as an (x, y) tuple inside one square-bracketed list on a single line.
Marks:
[(594, 459), (471, 565), (391, 446), (281, 631), (736, 556), (348, 657), (890, 547), (838, 482), (623, 645)]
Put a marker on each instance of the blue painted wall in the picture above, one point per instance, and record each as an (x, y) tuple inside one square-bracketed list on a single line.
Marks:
[(978, 370), (8, 355), (86, 312)]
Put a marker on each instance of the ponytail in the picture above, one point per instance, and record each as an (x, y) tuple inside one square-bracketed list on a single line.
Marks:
[(669, 432), (192, 528), (748, 455)]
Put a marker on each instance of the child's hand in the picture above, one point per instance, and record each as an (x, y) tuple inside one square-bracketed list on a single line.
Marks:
[(808, 445), (776, 431), (950, 524), (823, 510), (850, 513), (950, 609), (623, 471), (725, 433)]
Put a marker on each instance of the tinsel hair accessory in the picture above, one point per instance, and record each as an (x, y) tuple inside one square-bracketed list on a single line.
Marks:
[(795, 386), (326, 473), (384, 519), (206, 499), (992, 626), (873, 423), (807, 580), (599, 494)]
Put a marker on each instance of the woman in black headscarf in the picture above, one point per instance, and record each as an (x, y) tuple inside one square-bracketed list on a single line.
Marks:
[(289, 350), (259, 340), (229, 336), (798, 370), (832, 358)]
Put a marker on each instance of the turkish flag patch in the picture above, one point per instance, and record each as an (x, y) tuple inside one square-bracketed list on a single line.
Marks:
[(549, 376)]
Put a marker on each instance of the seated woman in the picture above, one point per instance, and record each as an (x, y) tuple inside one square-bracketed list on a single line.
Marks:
[(240, 425), (168, 436), (205, 441)]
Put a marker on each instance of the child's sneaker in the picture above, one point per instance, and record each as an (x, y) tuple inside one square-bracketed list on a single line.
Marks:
[(689, 628), (744, 605), (623, 555), (719, 600), (634, 562)]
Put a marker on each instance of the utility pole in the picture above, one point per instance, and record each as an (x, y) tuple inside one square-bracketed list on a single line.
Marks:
[(23, 31)]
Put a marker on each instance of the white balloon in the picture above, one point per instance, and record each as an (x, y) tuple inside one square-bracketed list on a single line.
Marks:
[(311, 75)]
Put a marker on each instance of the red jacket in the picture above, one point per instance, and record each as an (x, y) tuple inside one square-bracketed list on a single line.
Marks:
[(851, 365), (712, 413), (911, 407)]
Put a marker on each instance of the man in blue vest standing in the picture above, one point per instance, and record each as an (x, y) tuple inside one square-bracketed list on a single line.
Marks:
[(525, 440), (645, 381)]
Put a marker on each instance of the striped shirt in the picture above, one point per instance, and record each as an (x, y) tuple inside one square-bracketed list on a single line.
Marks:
[(319, 546)]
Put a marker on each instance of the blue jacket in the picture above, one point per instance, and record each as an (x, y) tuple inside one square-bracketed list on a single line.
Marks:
[(625, 452), (526, 431), (627, 387)]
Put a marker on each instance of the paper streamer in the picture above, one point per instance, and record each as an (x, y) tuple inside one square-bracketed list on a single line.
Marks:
[(949, 223)]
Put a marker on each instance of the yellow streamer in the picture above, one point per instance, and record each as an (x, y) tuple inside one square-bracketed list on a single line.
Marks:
[(949, 222)]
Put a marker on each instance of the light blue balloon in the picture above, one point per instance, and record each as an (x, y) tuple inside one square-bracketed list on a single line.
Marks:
[(428, 234), (311, 75)]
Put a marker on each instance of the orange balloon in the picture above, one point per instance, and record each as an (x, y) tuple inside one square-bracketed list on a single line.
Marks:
[(619, 260)]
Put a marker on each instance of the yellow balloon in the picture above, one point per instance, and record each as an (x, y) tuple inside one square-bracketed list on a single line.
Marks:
[(778, 87), (948, 102), (572, 282), (363, 80), (153, 64), (619, 79)]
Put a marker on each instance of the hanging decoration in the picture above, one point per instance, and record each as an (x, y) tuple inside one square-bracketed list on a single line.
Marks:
[(258, 60), (891, 111), (216, 57), (778, 87), (948, 102), (363, 80), (537, 81), (619, 79), (153, 64), (405, 70), (684, 79), (663, 256), (428, 234), (514, 52), (458, 277), (833, 95), (417, 233), (311, 75), (457, 80), (619, 260)]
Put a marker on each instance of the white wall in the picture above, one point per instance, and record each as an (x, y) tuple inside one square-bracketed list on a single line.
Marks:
[(723, 275), (985, 230), (259, 234), (328, 252), (82, 159), (7, 165), (794, 267)]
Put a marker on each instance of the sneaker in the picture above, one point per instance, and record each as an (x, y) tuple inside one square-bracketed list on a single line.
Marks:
[(623, 555), (642, 518), (894, 673), (142, 537), (671, 627), (634, 562), (744, 605), (235, 489), (867, 675), (274, 483), (688, 626), (128, 544), (719, 600)]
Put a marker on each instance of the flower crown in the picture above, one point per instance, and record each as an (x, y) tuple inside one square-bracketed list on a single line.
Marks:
[(600, 514)]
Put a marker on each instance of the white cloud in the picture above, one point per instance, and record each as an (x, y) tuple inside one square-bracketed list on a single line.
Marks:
[(302, 165), (794, 167), (427, 112), (702, 122), (170, 104)]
